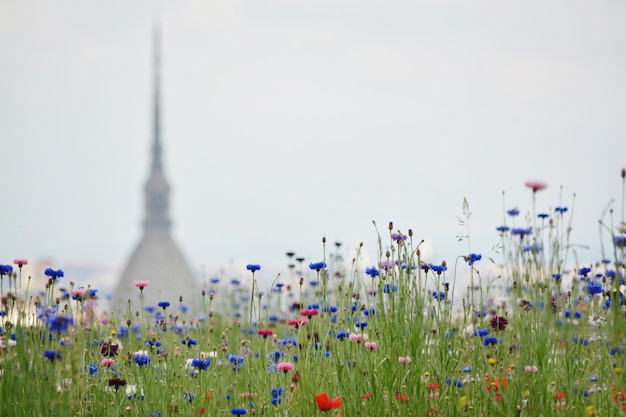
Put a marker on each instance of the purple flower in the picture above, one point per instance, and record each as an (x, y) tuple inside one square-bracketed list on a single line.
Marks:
[(521, 231), (398, 237), (513, 212)]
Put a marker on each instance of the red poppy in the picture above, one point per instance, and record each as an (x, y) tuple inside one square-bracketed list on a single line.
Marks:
[(433, 386), (325, 403), (402, 397), (367, 395), (560, 395)]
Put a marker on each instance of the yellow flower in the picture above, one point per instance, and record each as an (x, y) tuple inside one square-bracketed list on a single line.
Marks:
[(618, 370), (462, 402), (492, 361), (590, 411)]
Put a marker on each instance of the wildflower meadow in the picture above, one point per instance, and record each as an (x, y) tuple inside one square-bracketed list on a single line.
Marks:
[(527, 332)]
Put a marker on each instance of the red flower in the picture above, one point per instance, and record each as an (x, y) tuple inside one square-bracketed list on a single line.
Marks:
[(325, 403), (433, 386), (367, 395), (560, 395), (402, 397), (498, 323)]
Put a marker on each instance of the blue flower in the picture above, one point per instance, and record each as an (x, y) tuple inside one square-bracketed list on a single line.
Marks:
[(92, 369), (620, 241), (387, 288), (317, 265), (201, 364), (238, 411), (52, 355), (189, 342), (361, 325), (556, 276), (560, 209), (584, 271), (164, 304), (54, 274), (253, 267), (60, 323), (534, 248), (438, 268), (473, 257), (521, 231), (594, 288), (439, 296), (142, 358), (5, 269), (502, 229), (513, 212), (372, 272), (543, 215), (481, 332)]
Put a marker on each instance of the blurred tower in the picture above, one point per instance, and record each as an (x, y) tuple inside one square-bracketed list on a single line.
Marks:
[(156, 258)]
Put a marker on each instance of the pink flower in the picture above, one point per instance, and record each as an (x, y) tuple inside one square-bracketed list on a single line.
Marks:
[(107, 362), (141, 284), (20, 262), (536, 185), (78, 293), (532, 369), (357, 337), (296, 322), (265, 332), (284, 366), (371, 345), (404, 360), (309, 312)]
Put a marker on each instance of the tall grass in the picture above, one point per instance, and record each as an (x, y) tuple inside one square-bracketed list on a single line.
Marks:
[(528, 333)]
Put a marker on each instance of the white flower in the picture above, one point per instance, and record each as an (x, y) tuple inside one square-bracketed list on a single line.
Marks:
[(598, 321), (131, 390)]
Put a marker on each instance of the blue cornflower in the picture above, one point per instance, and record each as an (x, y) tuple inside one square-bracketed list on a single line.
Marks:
[(620, 241), (189, 342), (438, 268), (142, 358), (560, 209), (594, 288), (473, 257), (372, 272), (60, 323), (164, 304), (317, 265), (361, 325), (54, 274), (521, 231), (92, 369), (467, 368), (584, 271), (577, 314), (502, 229), (387, 288), (533, 248), (513, 212), (277, 392), (439, 295), (52, 355), (253, 267), (543, 215), (342, 335), (556, 277), (5, 269), (235, 281), (481, 332), (238, 411), (201, 364)]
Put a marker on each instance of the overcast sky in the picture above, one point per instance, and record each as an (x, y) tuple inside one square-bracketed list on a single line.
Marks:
[(285, 121)]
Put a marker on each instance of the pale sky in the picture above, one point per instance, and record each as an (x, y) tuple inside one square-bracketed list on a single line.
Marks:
[(285, 121)]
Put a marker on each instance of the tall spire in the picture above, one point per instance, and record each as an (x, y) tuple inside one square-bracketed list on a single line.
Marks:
[(156, 188)]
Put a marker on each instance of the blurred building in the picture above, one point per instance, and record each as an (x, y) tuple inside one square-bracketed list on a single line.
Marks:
[(156, 258)]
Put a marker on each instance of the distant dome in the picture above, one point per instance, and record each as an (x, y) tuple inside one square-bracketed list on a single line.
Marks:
[(157, 258)]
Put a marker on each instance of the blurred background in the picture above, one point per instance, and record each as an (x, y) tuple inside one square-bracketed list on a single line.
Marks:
[(287, 121)]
